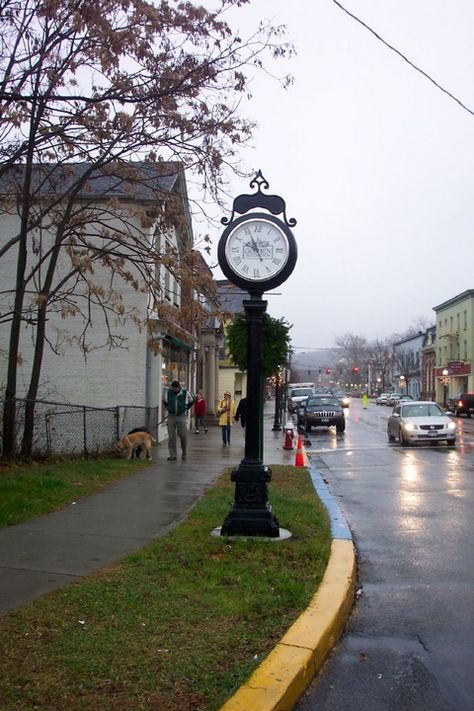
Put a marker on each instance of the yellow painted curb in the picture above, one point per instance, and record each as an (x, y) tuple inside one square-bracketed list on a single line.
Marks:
[(282, 677)]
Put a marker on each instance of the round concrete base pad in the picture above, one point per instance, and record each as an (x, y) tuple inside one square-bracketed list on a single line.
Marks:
[(284, 535)]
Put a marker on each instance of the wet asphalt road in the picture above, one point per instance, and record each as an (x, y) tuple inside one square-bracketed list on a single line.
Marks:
[(409, 643)]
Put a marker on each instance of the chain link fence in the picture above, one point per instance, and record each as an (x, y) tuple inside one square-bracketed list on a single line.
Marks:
[(79, 430)]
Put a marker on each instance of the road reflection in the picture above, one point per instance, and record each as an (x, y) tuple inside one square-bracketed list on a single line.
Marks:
[(412, 500)]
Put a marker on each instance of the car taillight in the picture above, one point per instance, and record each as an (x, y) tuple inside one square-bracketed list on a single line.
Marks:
[(460, 403)]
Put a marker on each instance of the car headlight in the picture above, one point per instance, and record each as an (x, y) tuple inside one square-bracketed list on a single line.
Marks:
[(409, 426), (451, 425)]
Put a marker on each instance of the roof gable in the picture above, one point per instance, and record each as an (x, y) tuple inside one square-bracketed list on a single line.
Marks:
[(138, 181)]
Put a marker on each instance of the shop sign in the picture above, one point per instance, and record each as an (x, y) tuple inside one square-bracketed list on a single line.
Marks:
[(454, 367)]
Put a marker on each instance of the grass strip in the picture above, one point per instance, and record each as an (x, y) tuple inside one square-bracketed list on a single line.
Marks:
[(35, 489), (177, 625)]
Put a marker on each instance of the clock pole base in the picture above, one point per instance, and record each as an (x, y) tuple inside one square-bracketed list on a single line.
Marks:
[(251, 522), (251, 514)]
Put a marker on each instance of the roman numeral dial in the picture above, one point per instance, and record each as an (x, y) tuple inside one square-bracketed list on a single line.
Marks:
[(257, 251)]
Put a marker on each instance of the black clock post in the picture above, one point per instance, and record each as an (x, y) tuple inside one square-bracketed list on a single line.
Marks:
[(257, 252)]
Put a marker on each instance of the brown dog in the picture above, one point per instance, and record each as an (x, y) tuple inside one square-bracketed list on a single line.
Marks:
[(133, 441)]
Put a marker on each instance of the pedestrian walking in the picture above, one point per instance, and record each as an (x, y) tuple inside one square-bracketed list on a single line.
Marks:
[(226, 412), (241, 413), (177, 401), (199, 412), (365, 400)]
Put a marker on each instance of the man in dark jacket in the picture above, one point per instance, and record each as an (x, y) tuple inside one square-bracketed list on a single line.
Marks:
[(177, 401), (241, 413)]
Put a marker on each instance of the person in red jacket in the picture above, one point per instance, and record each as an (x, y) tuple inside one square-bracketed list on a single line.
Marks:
[(199, 412)]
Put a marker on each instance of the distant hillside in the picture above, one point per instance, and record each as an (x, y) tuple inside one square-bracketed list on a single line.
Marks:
[(306, 365)]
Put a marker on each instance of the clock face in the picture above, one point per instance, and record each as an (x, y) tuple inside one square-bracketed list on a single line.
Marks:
[(257, 250)]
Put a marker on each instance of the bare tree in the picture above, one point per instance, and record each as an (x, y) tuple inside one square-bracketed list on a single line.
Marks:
[(123, 89), (405, 363), (381, 357), (354, 349)]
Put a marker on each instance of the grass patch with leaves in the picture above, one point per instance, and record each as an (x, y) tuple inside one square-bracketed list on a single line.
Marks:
[(35, 489), (177, 625)]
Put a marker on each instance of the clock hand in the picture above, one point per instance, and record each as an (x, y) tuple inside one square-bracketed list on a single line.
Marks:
[(256, 249)]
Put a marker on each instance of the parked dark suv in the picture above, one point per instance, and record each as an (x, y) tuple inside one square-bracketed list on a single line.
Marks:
[(462, 404), (322, 411)]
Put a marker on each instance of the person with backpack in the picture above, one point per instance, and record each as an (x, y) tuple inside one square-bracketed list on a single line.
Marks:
[(177, 401)]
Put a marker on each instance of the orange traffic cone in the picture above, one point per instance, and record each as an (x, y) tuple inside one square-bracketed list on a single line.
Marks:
[(299, 459)]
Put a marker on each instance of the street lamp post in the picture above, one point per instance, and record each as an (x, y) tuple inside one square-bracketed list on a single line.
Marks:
[(445, 381)]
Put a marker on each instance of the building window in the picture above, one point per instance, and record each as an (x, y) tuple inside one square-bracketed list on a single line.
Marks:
[(465, 320)]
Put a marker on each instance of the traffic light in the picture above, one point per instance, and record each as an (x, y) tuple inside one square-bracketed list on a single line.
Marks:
[(328, 371), (355, 369)]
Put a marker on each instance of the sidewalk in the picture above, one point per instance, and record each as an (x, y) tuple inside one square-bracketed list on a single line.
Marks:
[(46, 553)]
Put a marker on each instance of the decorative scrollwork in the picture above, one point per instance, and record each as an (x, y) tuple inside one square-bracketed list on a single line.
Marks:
[(251, 493), (273, 203), (259, 181)]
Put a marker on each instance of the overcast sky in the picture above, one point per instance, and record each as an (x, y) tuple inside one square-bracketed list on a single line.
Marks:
[(374, 162)]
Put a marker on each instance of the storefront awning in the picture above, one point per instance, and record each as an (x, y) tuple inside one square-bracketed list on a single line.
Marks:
[(177, 342)]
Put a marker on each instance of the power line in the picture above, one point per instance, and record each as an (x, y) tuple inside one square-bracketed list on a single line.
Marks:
[(405, 59)]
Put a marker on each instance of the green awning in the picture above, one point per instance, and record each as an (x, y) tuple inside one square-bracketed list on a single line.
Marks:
[(177, 342)]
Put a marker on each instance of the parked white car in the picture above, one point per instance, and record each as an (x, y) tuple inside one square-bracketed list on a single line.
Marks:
[(393, 398), (382, 399), (420, 421)]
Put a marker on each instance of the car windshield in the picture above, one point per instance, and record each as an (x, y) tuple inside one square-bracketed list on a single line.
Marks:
[(301, 392), (323, 400), (423, 410)]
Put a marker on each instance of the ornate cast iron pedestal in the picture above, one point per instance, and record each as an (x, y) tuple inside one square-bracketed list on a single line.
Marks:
[(251, 514)]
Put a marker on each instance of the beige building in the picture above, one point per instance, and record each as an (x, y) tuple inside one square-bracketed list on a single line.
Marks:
[(454, 346)]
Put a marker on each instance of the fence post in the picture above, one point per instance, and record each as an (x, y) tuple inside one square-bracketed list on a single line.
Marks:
[(48, 438), (117, 423), (84, 420)]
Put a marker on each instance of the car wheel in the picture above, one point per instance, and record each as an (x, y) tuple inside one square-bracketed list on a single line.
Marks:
[(451, 442), (402, 439), (468, 414), (308, 428)]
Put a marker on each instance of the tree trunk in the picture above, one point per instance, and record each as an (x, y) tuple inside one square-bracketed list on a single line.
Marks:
[(27, 441), (9, 410), (28, 431)]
